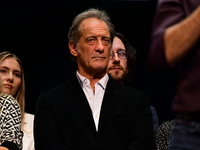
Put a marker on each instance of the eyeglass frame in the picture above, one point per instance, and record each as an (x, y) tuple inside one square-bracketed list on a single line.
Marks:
[(119, 51)]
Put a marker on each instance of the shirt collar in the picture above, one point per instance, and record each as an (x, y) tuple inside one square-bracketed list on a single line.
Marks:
[(102, 82)]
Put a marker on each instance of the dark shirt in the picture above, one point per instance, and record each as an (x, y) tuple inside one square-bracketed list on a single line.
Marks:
[(170, 12)]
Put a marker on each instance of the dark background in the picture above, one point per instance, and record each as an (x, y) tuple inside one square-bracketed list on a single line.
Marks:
[(37, 32)]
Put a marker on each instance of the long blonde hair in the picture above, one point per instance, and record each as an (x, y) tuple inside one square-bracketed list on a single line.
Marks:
[(20, 94)]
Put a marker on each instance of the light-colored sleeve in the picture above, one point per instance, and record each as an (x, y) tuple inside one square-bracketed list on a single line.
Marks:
[(27, 127)]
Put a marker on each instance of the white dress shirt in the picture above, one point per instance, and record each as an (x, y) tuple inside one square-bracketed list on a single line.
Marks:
[(94, 99)]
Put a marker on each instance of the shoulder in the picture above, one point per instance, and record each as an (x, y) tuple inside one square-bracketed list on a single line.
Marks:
[(29, 116), (57, 90), (6, 99), (128, 92), (166, 127), (9, 108), (60, 87), (116, 85), (167, 124), (133, 92), (163, 134), (28, 121)]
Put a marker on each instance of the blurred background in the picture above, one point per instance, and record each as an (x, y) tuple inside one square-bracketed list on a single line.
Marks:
[(37, 32)]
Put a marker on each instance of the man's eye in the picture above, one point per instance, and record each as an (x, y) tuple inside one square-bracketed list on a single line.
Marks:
[(106, 42), (2, 71), (90, 41), (121, 53)]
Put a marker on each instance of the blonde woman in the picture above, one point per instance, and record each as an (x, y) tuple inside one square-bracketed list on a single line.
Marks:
[(12, 76)]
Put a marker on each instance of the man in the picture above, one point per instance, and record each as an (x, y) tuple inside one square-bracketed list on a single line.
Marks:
[(122, 63), (176, 43), (123, 59), (91, 111)]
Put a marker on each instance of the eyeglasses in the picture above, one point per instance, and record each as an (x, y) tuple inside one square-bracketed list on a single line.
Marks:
[(121, 54)]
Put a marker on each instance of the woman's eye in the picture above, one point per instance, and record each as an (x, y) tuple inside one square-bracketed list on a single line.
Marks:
[(17, 75)]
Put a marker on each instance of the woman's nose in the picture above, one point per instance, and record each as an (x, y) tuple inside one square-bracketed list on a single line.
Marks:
[(9, 77)]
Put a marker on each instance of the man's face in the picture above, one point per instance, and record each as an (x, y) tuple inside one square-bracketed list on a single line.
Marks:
[(93, 48), (117, 67)]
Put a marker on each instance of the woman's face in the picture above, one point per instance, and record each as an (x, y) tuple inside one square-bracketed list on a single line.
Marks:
[(10, 74)]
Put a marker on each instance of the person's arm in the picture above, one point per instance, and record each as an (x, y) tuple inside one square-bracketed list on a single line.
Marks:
[(155, 118), (3, 148), (163, 134), (11, 137), (169, 14), (142, 129), (46, 133), (10, 146), (181, 37)]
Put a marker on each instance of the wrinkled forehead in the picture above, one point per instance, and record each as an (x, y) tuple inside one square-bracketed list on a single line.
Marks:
[(94, 27)]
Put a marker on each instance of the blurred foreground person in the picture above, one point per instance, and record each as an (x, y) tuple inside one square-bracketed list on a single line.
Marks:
[(176, 43)]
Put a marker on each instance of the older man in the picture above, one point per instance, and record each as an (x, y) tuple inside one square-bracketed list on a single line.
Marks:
[(91, 111)]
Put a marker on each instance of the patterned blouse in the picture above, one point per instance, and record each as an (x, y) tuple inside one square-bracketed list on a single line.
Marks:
[(163, 135), (10, 121)]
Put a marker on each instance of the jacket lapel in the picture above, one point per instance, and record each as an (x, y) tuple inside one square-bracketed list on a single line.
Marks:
[(110, 99), (111, 96), (76, 94)]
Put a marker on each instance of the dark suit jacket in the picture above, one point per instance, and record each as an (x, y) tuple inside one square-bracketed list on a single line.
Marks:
[(64, 121), (155, 118)]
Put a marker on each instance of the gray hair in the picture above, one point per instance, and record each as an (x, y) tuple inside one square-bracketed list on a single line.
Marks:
[(74, 32)]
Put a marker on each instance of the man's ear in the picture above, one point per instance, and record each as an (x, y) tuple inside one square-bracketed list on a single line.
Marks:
[(73, 48)]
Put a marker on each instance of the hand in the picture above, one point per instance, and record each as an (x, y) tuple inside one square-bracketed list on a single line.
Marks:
[(3, 148)]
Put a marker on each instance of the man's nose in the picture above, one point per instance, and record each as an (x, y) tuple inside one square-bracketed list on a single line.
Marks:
[(115, 57), (99, 47)]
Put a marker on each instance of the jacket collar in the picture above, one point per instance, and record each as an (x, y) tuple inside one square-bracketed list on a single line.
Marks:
[(113, 91)]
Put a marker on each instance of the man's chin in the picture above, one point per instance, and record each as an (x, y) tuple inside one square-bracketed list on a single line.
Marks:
[(116, 77)]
